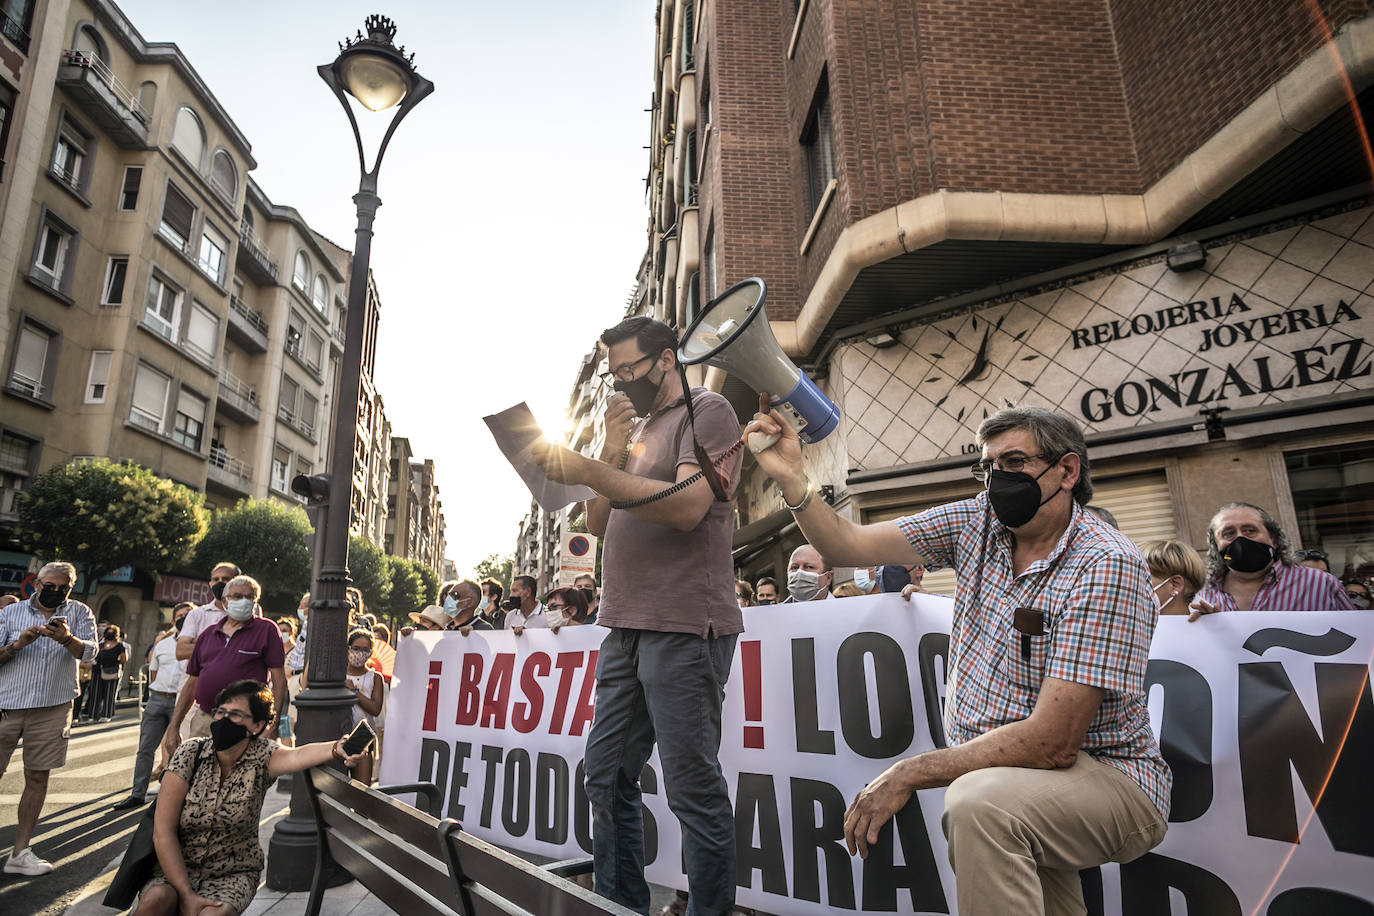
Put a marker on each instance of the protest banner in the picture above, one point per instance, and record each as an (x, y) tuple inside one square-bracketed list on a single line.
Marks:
[(1266, 719)]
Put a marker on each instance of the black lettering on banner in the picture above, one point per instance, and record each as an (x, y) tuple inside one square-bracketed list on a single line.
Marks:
[(882, 876), (756, 801), (459, 780), (934, 646), (515, 795), (1275, 730), (1145, 887), (896, 727), (1303, 901), (434, 762), (1185, 735), (811, 739), (491, 756), (582, 809), (551, 798), (810, 835)]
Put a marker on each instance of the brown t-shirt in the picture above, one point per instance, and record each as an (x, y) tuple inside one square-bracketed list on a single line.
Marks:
[(656, 577)]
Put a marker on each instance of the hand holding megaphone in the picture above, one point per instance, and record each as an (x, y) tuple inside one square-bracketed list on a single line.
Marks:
[(775, 444)]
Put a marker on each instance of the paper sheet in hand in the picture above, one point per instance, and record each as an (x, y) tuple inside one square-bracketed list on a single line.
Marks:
[(515, 431)]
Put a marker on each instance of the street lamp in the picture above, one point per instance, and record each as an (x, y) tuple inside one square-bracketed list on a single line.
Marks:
[(380, 77)]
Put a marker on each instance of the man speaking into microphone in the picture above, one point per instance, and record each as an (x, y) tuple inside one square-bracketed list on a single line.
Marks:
[(665, 508), (1052, 766)]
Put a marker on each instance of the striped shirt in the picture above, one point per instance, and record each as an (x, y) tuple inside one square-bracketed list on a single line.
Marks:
[(43, 673), (1093, 592), (1285, 588)]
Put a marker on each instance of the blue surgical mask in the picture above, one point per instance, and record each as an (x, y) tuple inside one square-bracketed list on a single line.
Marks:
[(483, 604), (863, 580), (300, 612), (451, 606), (240, 609)]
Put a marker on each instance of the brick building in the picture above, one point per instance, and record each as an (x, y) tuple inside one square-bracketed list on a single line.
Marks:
[(963, 204)]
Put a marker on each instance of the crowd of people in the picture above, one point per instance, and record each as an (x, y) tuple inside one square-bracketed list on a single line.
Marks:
[(1036, 790)]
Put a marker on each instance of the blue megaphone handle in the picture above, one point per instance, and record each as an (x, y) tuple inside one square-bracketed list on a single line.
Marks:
[(813, 414)]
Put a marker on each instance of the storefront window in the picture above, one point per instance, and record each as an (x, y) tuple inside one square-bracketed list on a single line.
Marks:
[(1333, 494)]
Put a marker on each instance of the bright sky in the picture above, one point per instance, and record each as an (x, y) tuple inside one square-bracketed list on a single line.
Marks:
[(513, 216)]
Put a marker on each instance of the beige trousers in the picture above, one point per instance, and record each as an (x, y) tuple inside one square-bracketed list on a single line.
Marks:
[(1018, 836)]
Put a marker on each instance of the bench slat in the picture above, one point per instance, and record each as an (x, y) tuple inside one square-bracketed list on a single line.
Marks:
[(412, 824), (397, 851), (390, 886)]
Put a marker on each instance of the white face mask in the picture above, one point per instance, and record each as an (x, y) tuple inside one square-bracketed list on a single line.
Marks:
[(803, 585), (554, 618), (240, 608), (1161, 602)]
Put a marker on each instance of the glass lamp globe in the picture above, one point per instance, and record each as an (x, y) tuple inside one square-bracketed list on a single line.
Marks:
[(375, 81)]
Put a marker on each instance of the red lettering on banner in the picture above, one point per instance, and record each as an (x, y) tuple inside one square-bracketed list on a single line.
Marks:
[(586, 700), (498, 691), (431, 720), (469, 690), (751, 670), (567, 663), (524, 717)]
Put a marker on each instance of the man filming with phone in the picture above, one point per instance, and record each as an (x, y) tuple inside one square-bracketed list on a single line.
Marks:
[(1051, 765), (668, 597), (41, 641)]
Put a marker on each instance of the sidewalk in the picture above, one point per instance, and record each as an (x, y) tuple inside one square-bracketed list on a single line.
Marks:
[(351, 899)]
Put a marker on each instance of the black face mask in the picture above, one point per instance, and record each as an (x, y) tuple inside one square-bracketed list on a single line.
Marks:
[(52, 596), (893, 578), (512, 603), (1247, 556), (765, 601), (111, 635), (642, 392), (217, 589), (590, 593), (225, 733), (1015, 496)]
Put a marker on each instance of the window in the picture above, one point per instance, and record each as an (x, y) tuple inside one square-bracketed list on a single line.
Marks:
[(189, 424), (68, 158), (704, 109), (281, 461), (128, 192), (300, 276), (54, 243), (320, 297), (98, 380), (16, 464), (309, 408), (188, 137), (31, 362), (1333, 497), (295, 334), (178, 215), (202, 333), (314, 351), (163, 308), (213, 247), (7, 98), (148, 407), (116, 272), (818, 147), (290, 395), (223, 176), (146, 101)]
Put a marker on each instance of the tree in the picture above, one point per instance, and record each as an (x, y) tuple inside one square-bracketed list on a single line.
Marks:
[(407, 590), (367, 566), (495, 566), (268, 542), (430, 580), (99, 516)]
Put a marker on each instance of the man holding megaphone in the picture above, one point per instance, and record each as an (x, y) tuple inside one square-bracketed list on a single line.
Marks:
[(1051, 765), (665, 509)]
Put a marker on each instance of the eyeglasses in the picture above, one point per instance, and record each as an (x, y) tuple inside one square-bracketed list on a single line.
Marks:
[(237, 715), (625, 373), (556, 607), (1012, 465), (1352, 595)]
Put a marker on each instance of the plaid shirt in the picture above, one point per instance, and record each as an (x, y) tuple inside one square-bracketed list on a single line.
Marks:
[(1099, 617), (1285, 588)]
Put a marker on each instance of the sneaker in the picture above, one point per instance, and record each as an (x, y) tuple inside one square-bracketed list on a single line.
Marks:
[(26, 863), (130, 802), (153, 789)]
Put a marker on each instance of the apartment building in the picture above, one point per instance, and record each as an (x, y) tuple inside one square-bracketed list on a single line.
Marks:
[(431, 544), (402, 537), (1153, 216)]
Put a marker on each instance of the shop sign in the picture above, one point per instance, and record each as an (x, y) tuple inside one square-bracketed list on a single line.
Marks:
[(175, 589)]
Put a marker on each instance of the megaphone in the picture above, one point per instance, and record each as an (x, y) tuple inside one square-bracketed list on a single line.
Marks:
[(732, 333)]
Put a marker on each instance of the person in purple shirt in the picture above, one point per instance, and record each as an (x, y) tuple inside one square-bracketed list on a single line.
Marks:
[(244, 645), (1250, 568)]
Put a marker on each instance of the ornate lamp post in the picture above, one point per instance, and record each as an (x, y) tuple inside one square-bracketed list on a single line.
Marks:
[(380, 77)]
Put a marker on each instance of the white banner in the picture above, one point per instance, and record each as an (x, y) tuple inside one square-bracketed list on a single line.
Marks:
[(1266, 719)]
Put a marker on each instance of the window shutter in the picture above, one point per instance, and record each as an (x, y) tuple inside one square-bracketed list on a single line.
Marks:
[(150, 393), (178, 212), (32, 355), (191, 405), (202, 331)]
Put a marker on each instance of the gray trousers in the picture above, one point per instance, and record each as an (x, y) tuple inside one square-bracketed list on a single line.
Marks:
[(157, 715)]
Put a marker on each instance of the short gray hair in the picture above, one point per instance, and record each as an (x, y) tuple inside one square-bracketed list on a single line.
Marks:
[(1055, 434), (245, 580), (61, 566)]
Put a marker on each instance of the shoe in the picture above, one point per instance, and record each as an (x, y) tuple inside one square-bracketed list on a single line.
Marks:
[(130, 802), (153, 789), (26, 863), (106, 719)]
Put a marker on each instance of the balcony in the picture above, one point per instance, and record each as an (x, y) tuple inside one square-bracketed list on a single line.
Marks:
[(254, 259), (247, 326), (229, 473), (336, 340), (237, 399), (13, 29), (115, 107)]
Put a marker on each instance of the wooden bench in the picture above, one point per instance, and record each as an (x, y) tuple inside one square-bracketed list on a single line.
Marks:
[(417, 864)]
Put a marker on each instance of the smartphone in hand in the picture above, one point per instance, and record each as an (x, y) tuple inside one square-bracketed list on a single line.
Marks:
[(360, 739), (57, 618)]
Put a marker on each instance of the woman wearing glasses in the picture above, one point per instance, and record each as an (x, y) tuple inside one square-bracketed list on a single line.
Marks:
[(206, 826), (566, 607)]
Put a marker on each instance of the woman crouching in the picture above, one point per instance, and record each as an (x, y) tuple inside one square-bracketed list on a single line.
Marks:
[(205, 829)]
